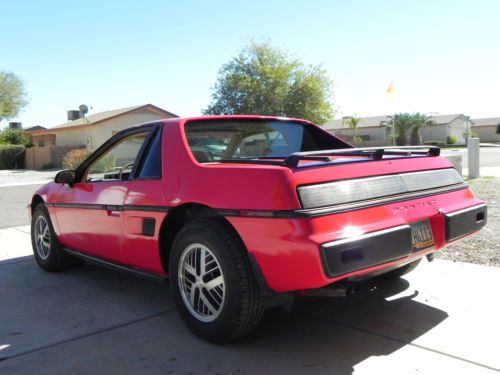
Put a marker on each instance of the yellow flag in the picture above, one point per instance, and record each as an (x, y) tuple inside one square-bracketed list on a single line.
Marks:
[(390, 90)]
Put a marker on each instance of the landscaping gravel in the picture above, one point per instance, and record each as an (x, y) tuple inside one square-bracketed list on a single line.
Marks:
[(482, 247)]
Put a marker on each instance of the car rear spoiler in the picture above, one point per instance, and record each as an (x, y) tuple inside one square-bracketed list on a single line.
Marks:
[(375, 153)]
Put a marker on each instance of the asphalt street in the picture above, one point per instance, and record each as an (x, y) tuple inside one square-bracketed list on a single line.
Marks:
[(13, 202), (488, 157)]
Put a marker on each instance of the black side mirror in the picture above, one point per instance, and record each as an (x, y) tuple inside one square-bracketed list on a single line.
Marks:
[(65, 177)]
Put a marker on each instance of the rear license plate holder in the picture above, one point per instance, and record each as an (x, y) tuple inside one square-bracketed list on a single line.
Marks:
[(421, 235)]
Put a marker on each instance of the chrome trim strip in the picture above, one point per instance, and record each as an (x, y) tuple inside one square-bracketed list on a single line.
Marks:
[(459, 212), (365, 236)]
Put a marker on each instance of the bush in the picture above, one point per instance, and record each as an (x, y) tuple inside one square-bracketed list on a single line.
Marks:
[(14, 137), (357, 140), (435, 143), (451, 140), (74, 158), (11, 156), (106, 164)]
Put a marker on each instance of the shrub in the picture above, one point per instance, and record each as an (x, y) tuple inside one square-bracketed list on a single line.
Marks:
[(106, 164), (357, 140), (74, 158), (14, 137), (498, 128), (435, 143), (451, 140), (11, 156)]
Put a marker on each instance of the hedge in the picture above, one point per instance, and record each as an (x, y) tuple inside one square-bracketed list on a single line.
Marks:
[(11, 156), (435, 143)]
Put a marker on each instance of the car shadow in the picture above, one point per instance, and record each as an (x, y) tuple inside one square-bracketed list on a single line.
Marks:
[(320, 335)]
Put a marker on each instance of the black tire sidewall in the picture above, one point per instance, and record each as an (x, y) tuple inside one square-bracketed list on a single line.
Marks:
[(52, 262)]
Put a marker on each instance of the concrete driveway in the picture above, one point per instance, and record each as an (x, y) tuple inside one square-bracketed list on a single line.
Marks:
[(441, 318)]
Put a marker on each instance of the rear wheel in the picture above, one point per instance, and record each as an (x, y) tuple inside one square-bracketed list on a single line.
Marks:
[(398, 272), (212, 283), (46, 248)]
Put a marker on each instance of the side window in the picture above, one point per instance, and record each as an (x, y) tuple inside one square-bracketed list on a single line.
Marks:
[(151, 167), (117, 163)]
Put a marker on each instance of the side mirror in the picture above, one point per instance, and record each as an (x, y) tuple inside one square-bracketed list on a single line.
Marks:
[(65, 177)]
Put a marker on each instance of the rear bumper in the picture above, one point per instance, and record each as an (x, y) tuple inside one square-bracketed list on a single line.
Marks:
[(375, 248), (307, 253)]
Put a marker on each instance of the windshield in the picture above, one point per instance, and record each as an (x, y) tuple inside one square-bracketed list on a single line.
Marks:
[(215, 140)]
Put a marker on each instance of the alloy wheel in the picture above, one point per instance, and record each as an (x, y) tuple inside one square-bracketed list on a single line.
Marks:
[(201, 282), (42, 237)]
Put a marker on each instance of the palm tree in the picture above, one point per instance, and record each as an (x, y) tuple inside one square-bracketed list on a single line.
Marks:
[(419, 121), (352, 122), (402, 122)]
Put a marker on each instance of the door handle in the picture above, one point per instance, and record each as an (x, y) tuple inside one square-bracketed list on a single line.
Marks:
[(113, 210)]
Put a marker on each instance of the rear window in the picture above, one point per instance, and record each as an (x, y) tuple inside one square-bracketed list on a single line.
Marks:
[(215, 140)]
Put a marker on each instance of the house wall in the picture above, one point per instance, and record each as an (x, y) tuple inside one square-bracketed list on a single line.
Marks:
[(104, 130), (95, 135), (368, 133), (434, 133), (457, 128), (487, 133)]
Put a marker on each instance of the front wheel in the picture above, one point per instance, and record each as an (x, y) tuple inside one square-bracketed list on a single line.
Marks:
[(46, 248), (212, 283)]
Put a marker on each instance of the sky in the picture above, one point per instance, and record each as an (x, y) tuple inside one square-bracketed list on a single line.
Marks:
[(442, 56)]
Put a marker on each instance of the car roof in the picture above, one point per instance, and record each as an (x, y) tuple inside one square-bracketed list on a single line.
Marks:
[(182, 120)]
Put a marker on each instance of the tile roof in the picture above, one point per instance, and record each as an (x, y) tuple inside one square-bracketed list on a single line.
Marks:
[(102, 116), (486, 121)]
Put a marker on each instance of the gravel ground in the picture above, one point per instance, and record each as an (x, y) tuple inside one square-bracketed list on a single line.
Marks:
[(483, 247)]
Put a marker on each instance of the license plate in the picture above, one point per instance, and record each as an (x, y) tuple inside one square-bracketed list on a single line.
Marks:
[(421, 235)]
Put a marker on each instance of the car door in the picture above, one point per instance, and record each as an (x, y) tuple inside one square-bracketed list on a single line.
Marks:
[(144, 209), (90, 212)]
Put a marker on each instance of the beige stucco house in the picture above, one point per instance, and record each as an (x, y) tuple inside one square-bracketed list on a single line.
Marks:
[(486, 129), (373, 133), (51, 144)]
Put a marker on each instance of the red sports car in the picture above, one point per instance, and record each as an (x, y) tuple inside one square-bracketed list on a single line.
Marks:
[(243, 212)]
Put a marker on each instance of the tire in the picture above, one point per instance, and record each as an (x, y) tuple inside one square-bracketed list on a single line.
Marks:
[(234, 307), (46, 247), (398, 272)]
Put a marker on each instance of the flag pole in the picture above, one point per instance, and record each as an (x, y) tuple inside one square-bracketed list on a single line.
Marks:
[(390, 94)]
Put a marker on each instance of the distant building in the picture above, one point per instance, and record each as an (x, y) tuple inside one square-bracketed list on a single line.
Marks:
[(86, 132), (486, 129), (373, 133)]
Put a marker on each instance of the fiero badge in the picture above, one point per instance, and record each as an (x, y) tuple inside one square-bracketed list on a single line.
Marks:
[(412, 206)]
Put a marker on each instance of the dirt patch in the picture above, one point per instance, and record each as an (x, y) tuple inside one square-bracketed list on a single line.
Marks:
[(483, 247)]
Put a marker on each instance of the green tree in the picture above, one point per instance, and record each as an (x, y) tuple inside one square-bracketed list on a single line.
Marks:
[(265, 80), (402, 122), (13, 137), (353, 123), (420, 120), (12, 95), (498, 128)]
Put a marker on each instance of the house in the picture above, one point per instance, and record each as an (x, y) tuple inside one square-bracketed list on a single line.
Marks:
[(373, 133), (486, 129), (86, 132)]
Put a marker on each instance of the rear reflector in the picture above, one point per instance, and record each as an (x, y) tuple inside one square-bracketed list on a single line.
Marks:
[(348, 191)]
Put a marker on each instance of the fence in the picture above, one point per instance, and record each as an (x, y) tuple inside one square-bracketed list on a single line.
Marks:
[(46, 157)]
